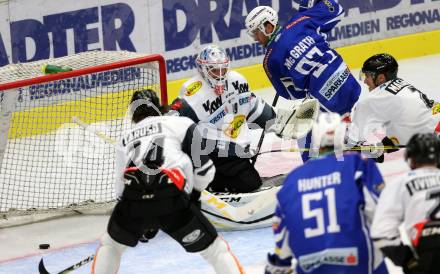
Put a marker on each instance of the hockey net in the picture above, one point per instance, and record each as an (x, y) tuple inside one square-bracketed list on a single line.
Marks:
[(49, 166)]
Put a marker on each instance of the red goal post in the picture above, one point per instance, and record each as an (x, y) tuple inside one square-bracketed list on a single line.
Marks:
[(48, 165)]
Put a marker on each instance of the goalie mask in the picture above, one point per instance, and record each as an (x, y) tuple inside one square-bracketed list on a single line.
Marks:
[(213, 66)]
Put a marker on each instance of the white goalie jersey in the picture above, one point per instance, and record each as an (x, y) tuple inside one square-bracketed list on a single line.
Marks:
[(396, 107), (174, 141), (411, 200), (226, 117)]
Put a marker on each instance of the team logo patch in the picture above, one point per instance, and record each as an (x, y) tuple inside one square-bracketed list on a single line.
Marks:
[(234, 127), (193, 88), (436, 109), (329, 5), (192, 237), (335, 82), (331, 256)]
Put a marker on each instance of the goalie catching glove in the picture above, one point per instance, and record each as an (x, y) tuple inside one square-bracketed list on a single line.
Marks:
[(296, 123)]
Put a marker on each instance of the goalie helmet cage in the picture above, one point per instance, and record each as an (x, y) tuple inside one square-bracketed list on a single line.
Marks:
[(49, 166)]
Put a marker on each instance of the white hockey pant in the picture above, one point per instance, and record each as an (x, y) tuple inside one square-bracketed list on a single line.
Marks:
[(220, 256)]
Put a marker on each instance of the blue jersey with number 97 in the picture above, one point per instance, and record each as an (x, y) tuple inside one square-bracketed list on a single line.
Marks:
[(323, 214), (299, 61)]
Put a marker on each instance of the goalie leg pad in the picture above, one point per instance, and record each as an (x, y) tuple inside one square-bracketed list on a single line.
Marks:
[(108, 256), (219, 255)]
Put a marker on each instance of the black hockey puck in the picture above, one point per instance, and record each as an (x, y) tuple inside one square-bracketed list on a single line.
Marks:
[(44, 246)]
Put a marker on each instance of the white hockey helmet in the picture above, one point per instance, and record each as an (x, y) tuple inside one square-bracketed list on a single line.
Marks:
[(328, 131), (213, 65), (257, 17)]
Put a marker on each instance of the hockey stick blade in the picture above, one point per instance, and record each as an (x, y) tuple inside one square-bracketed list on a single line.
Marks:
[(42, 269)]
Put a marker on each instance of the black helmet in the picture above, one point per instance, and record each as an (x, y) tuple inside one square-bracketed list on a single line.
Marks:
[(381, 63), (423, 149), (149, 106)]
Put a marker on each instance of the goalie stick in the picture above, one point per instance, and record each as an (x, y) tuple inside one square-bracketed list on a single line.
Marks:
[(42, 269), (260, 142), (236, 214)]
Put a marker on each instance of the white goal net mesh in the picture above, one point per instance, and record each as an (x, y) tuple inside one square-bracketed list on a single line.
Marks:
[(47, 162)]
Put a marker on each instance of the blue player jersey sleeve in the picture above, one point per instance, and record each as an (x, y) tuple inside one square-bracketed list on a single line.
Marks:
[(326, 14)]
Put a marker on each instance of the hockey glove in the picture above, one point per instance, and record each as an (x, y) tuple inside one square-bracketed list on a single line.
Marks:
[(275, 265), (296, 123), (390, 142), (374, 151), (377, 151), (400, 255), (306, 4)]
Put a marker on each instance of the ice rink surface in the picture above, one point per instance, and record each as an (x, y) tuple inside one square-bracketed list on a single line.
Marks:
[(75, 238)]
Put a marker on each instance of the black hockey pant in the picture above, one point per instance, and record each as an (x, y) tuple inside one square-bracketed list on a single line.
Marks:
[(234, 174), (176, 216)]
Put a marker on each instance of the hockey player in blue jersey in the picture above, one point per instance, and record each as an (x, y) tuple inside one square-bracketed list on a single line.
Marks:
[(299, 61), (324, 210)]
